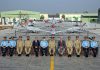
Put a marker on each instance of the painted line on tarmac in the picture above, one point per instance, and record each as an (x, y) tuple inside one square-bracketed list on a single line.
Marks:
[(52, 63)]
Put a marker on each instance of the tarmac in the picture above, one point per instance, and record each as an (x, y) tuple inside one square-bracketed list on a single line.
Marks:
[(44, 62)]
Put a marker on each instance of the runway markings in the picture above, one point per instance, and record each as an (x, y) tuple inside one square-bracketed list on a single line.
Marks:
[(52, 63)]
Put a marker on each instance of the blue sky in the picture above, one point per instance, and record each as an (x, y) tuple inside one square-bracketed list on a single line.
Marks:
[(51, 6)]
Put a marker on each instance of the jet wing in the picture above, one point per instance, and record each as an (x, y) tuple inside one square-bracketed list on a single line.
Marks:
[(90, 28), (71, 30), (74, 30)]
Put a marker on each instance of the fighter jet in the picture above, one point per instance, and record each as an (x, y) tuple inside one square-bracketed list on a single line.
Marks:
[(53, 30), (53, 21)]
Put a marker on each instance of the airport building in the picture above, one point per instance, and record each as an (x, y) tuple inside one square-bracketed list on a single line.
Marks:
[(80, 17), (9, 17), (12, 16)]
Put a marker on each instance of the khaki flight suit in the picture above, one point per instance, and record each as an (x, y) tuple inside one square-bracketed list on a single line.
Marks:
[(20, 45), (77, 45), (28, 45), (52, 45), (69, 45)]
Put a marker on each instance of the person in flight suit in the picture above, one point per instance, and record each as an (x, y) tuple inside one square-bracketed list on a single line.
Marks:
[(77, 45), (36, 46), (61, 47), (20, 45), (12, 46), (69, 45), (4, 46), (85, 46), (52, 45), (28, 46), (44, 47), (94, 46)]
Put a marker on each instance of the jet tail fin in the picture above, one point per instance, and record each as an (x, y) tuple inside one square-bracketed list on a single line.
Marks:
[(83, 24)]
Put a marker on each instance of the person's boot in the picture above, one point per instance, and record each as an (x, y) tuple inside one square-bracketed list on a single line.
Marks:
[(51, 54), (27, 55), (78, 55), (94, 55), (3, 55), (19, 54), (46, 55), (36, 55), (68, 55), (11, 55), (86, 55), (42, 54)]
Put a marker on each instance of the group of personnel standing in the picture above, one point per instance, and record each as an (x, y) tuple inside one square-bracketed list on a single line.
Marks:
[(51, 47)]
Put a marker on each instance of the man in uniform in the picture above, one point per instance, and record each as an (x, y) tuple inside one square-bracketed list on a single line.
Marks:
[(20, 45), (12, 46), (44, 47), (85, 46), (4, 46), (52, 45), (28, 46), (94, 46), (69, 44), (36, 46), (77, 45)]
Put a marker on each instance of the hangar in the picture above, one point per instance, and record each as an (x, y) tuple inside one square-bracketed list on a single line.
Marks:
[(80, 17), (10, 16)]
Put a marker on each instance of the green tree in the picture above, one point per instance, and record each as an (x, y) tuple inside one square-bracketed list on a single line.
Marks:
[(63, 16), (76, 18), (42, 17)]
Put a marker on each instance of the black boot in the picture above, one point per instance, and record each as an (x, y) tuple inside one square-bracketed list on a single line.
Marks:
[(3, 55), (51, 54), (19, 54), (11, 54), (36, 55), (27, 55), (94, 55), (78, 55), (86, 55), (69, 55)]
